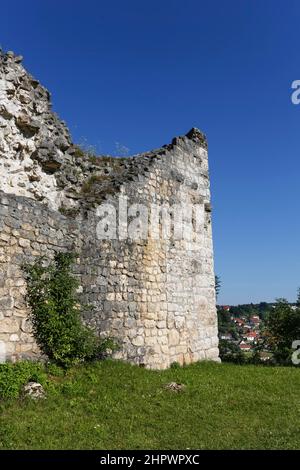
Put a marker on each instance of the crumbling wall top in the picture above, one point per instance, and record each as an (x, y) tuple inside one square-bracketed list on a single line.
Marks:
[(38, 158)]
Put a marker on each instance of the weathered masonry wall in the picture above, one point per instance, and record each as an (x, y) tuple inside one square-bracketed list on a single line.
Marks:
[(155, 293), (27, 230), (156, 296)]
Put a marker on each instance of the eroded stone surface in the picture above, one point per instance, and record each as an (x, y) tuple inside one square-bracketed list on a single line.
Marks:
[(32, 139), (34, 390)]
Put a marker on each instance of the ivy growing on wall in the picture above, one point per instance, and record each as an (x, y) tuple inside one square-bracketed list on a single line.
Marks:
[(56, 312)]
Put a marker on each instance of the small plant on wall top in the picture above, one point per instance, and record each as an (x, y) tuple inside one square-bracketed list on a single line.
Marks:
[(56, 313)]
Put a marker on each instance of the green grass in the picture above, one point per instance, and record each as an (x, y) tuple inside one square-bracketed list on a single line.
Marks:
[(112, 405)]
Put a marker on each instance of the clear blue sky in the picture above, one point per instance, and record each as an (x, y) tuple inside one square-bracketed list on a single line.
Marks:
[(140, 72)]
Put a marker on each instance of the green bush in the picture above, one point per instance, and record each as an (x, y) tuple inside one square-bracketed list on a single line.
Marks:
[(14, 376), (282, 327), (56, 312), (175, 365), (55, 370)]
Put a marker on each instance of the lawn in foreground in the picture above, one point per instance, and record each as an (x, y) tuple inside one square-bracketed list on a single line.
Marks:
[(113, 405)]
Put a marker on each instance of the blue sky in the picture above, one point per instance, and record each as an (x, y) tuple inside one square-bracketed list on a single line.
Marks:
[(141, 72)]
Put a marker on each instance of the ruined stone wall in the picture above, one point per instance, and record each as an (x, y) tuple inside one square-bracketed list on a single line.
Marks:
[(28, 132), (28, 230), (157, 295), (151, 288), (37, 157)]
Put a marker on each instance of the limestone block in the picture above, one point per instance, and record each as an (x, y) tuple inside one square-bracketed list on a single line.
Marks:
[(26, 338), (14, 337), (138, 341), (6, 303), (26, 325), (174, 337), (9, 325)]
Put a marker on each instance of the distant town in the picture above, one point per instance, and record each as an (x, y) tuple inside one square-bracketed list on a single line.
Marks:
[(241, 329)]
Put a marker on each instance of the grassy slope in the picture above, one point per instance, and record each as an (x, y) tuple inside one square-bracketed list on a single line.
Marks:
[(111, 405)]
